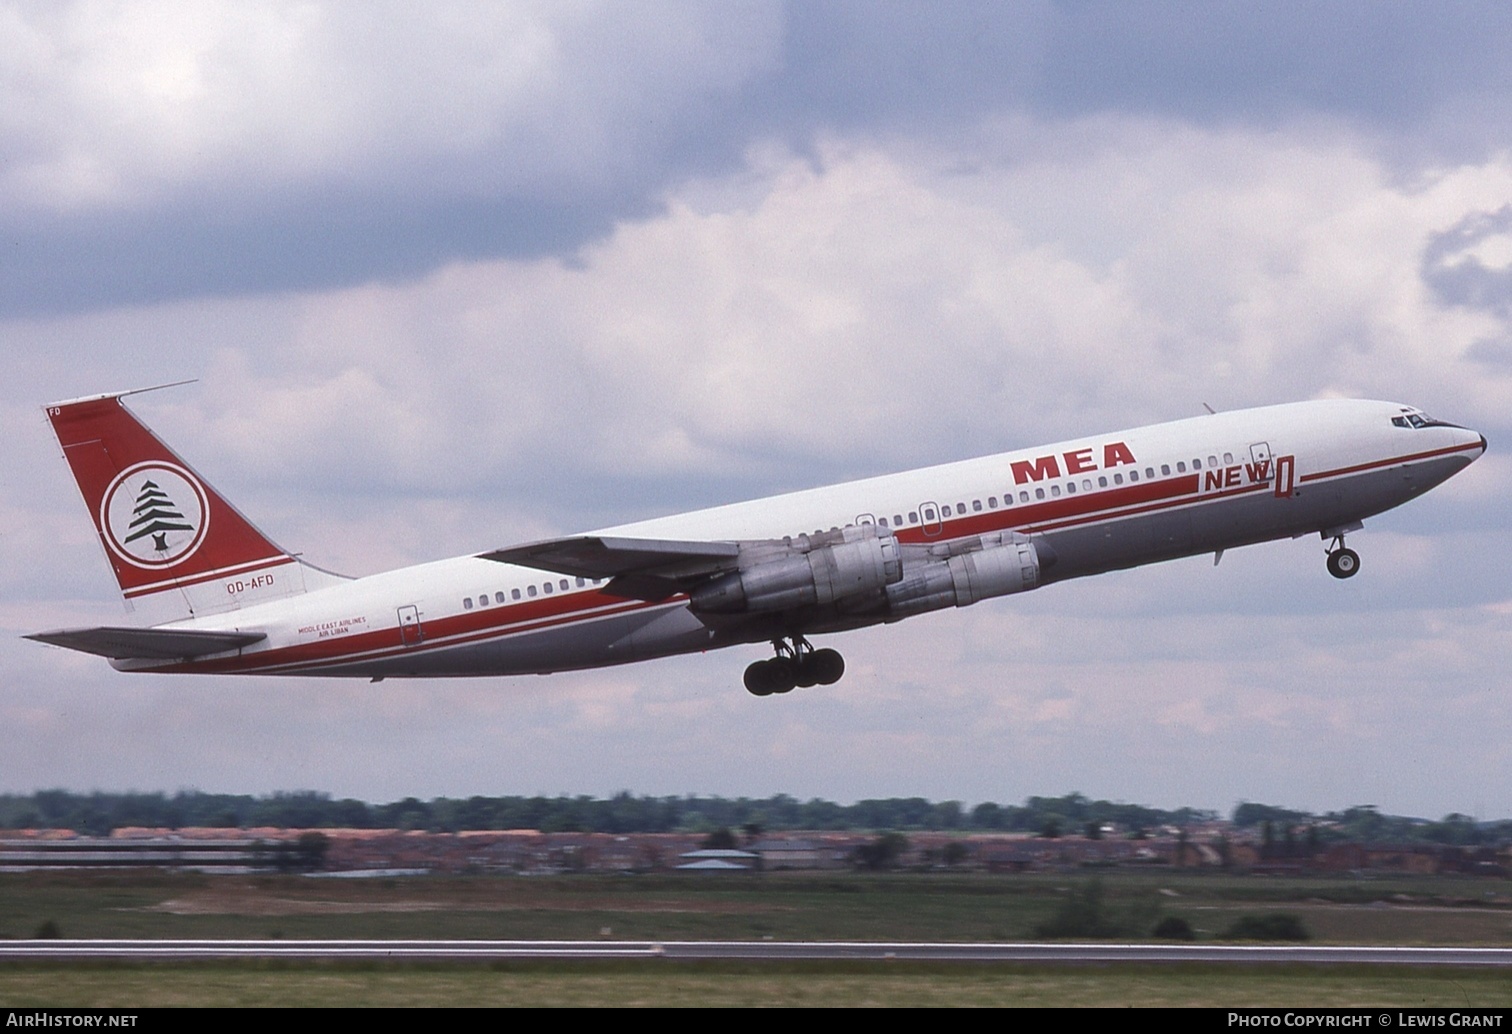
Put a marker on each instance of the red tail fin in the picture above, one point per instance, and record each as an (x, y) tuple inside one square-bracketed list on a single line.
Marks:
[(170, 537)]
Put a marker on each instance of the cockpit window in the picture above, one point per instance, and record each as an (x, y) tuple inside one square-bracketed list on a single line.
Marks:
[(1419, 420)]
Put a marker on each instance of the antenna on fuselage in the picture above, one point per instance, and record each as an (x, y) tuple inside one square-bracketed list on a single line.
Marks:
[(1210, 409)]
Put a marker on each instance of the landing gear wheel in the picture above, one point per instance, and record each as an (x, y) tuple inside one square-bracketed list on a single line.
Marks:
[(782, 674), (756, 682), (1343, 563), (827, 666), (796, 664)]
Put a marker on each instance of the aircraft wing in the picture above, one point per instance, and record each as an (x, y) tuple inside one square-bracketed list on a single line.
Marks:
[(648, 569), (164, 644)]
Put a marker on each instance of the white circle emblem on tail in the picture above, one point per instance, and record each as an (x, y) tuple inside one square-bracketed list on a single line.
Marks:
[(154, 515)]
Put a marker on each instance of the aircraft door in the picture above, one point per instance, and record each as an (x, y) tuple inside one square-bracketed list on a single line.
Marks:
[(929, 517), (410, 632), (1281, 470)]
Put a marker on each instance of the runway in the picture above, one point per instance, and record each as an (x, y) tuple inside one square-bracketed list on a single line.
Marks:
[(772, 951)]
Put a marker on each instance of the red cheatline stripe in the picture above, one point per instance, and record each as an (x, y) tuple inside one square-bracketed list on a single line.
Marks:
[(450, 640), (170, 584), (1072, 511), (1031, 516), (440, 634), (1391, 462), (1170, 504)]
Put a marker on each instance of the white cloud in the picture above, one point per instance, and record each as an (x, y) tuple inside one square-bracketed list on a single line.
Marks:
[(870, 311), (113, 105), (880, 305)]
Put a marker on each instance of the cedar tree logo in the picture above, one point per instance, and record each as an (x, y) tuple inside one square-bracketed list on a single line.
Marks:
[(154, 515)]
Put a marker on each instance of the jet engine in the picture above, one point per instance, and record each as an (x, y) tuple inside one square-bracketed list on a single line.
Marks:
[(806, 571), (991, 565)]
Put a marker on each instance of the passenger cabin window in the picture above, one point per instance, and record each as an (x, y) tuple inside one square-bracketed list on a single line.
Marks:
[(467, 603), (499, 597), (992, 502), (898, 520), (1228, 457), (1102, 480), (530, 590), (562, 585), (1165, 470), (1180, 467), (483, 601), (1024, 496), (547, 588)]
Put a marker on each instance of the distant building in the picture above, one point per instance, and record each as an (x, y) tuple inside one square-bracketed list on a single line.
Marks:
[(715, 859), (207, 855), (790, 853)]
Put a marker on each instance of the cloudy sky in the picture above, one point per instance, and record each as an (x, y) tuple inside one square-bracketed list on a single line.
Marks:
[(454, 276)]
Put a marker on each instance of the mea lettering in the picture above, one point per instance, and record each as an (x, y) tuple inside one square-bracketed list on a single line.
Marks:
[(1078, 461)]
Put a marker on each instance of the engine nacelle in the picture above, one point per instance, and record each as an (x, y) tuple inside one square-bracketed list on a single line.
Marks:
[(1005, 563), (811, 570)]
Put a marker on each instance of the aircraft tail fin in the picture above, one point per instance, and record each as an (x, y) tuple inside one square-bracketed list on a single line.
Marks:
[(177, 547)]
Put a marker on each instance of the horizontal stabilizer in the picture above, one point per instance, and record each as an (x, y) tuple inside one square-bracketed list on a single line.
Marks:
[(154, 644)]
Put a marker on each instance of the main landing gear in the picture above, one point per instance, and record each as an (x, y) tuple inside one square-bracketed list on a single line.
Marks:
[(796, 664), (1342, 561)]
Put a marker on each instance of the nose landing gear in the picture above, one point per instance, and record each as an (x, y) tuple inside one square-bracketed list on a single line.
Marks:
[(1343, 562), (796, 664)]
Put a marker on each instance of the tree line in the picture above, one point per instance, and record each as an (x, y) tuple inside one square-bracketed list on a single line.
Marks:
[(1071, 814), (98, 813)]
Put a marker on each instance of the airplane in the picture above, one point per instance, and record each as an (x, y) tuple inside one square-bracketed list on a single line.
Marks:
[(210, 593)]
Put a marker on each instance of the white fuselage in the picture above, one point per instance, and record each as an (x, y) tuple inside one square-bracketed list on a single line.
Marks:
[(1094, 504)]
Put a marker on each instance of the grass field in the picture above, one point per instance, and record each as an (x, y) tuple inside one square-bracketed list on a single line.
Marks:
[(731, 984), (782, 906)]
